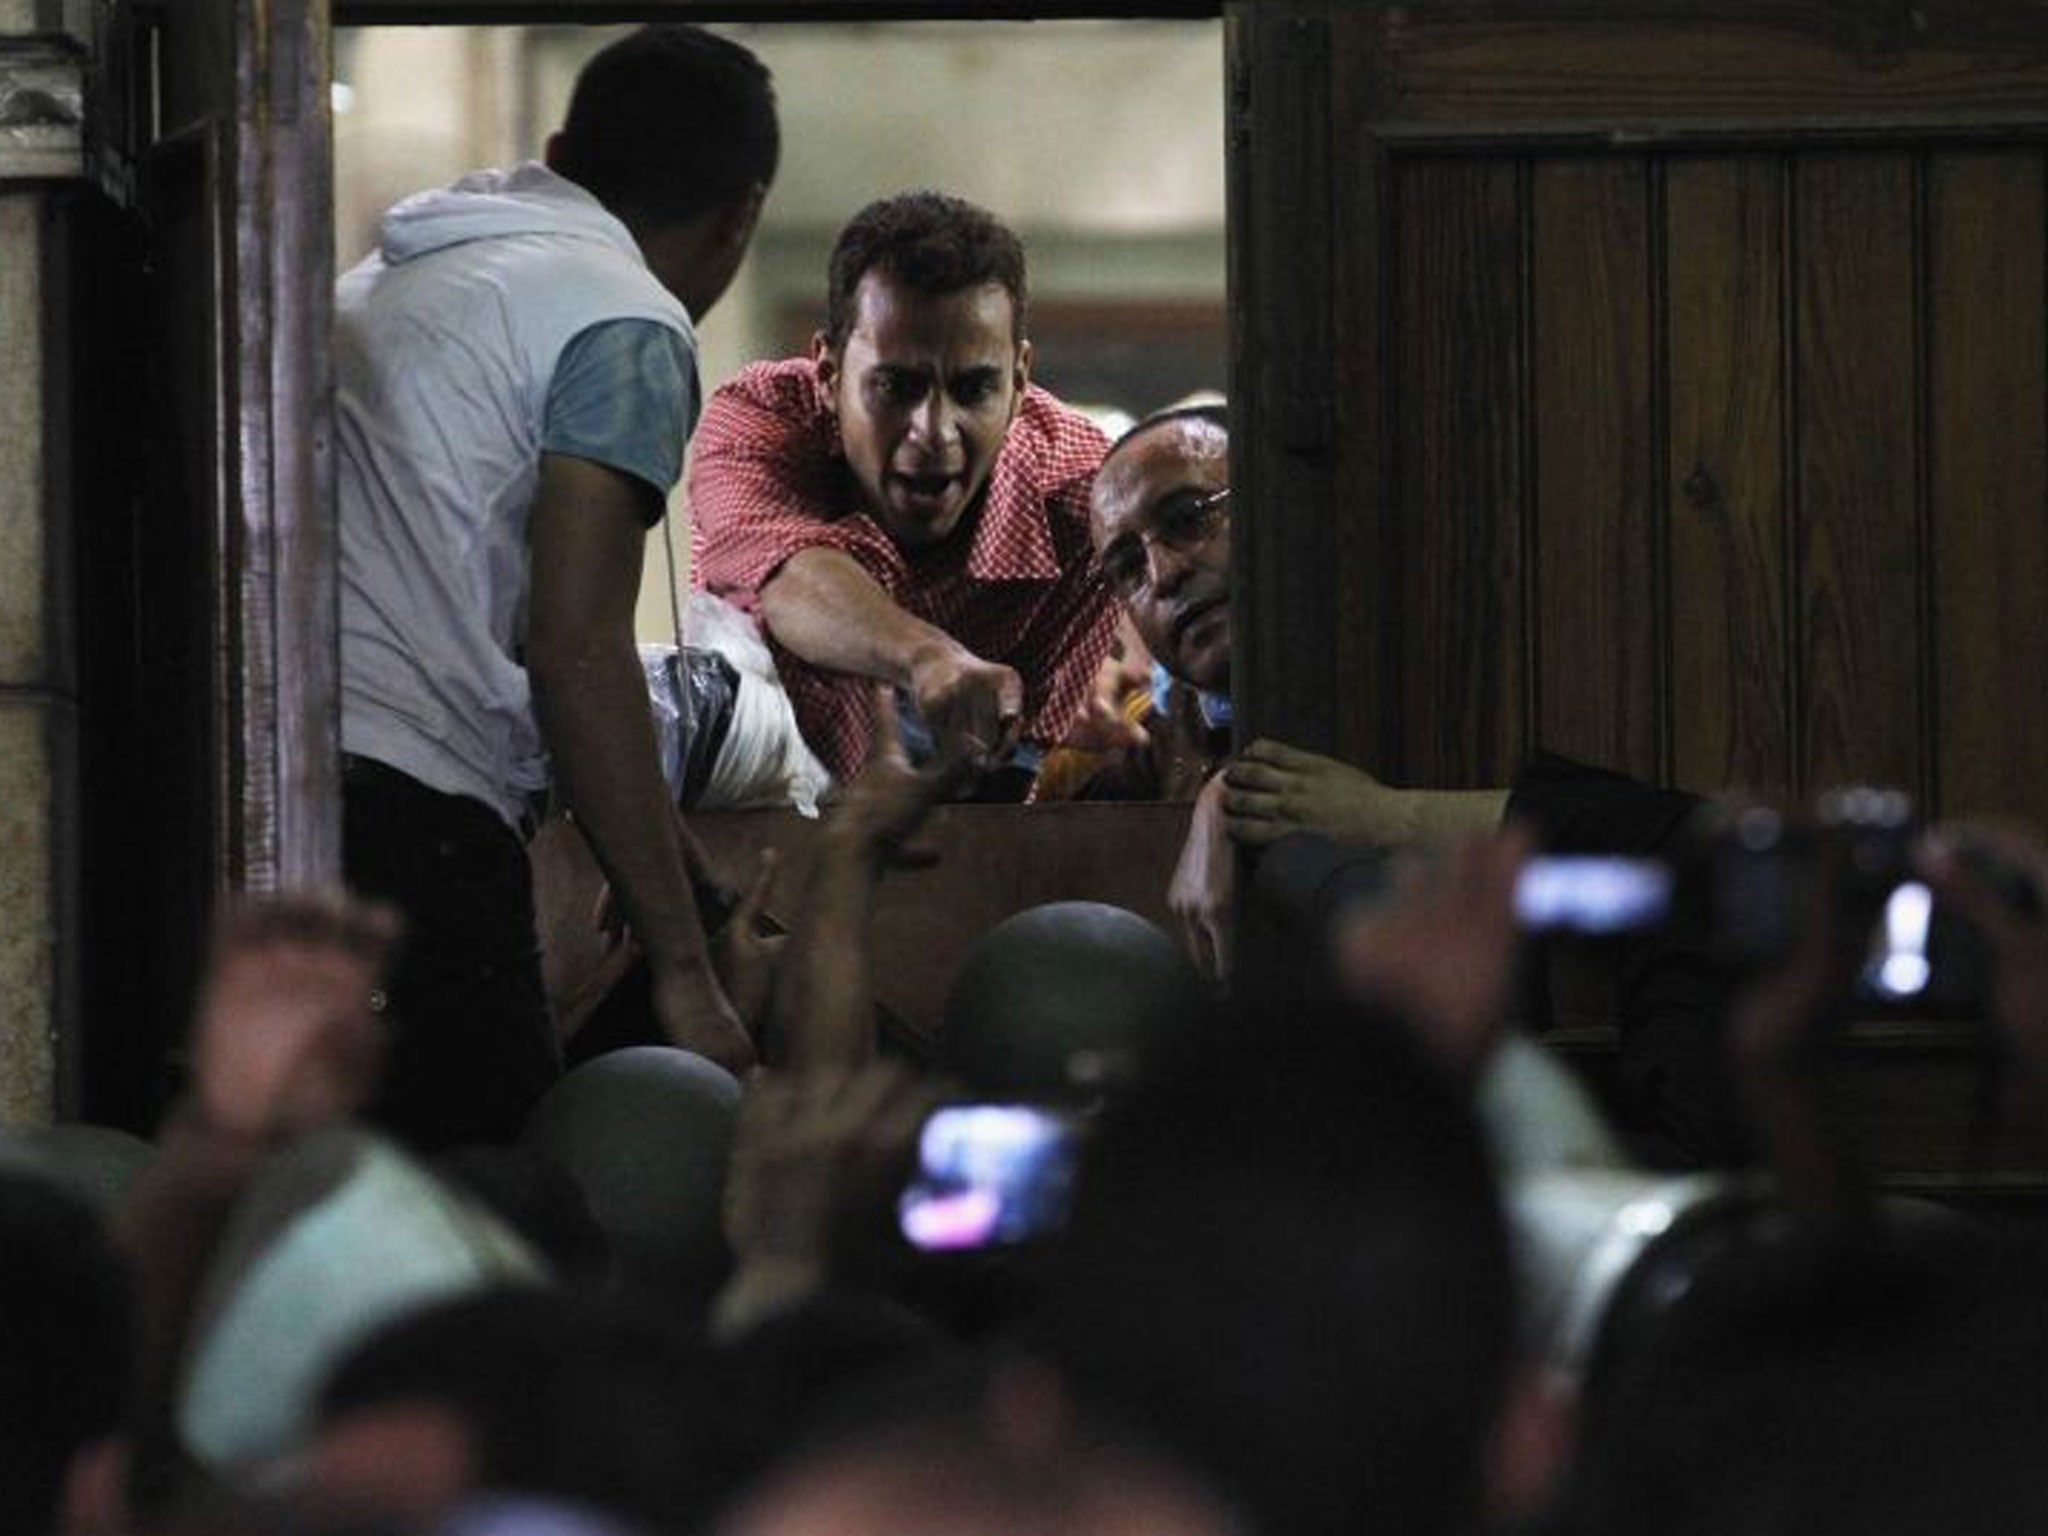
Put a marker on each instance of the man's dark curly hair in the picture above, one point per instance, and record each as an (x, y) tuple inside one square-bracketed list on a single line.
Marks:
[(929, 242), (668, 123)]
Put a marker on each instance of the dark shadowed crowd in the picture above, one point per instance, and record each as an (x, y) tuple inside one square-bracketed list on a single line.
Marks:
[(1335, 1248)]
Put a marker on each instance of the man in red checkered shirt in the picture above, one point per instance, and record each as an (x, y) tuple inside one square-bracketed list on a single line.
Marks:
[(903, 506)]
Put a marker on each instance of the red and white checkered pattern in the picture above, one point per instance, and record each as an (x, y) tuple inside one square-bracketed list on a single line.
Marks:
[(768, 478)]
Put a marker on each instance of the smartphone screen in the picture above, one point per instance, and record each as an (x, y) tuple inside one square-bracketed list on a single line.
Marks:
[(1591, 894), (989, 1174), (1900, 964)]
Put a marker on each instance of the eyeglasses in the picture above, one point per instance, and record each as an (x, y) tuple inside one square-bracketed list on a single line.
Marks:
[(1182, 526)]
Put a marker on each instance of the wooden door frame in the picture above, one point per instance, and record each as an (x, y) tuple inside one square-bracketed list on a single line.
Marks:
[(290, 575), (276, 741)]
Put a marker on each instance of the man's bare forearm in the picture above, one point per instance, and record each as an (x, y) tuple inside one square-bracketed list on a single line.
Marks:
[(825, 996), (588, 537), (1452, 815), (592, 704), (826, 608)]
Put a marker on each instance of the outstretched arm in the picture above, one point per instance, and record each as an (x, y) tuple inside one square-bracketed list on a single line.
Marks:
[(816, 1158), (587, 535), (776, 516), (1203, 891), (825, 607), (1276, 789)]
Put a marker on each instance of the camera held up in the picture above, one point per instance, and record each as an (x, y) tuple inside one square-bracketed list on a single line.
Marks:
[(1750, 877)]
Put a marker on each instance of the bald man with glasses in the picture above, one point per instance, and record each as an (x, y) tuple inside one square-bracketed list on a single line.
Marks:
[(1159, 515), (1160, 519)]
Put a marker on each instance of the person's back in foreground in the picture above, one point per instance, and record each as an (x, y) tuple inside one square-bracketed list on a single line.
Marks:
[(516, 378)]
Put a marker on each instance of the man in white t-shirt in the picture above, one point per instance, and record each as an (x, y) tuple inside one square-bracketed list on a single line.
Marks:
[(516, 378)]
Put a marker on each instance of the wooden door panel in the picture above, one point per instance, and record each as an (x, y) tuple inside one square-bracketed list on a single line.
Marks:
[(1373, 616), (1858, 618), (1698, 68), (1831, 418), (1462, 447), (1729, 679), (1596, 571), (1987, 477)]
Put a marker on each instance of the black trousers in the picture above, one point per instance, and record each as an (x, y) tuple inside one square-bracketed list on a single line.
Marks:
[(473, 1047)]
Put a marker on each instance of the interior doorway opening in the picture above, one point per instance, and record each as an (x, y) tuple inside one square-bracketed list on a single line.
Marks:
[(1101, 141)]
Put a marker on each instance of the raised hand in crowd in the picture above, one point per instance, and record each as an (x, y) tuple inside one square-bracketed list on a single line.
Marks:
[(1775, 1027), (817, 1156), (287, 1040), (823, 1008), (1998, 876), (288, 1035), (1994, 877), (1107, 722), (1442, 952), (875, 821), (744, 947), (746, 950)]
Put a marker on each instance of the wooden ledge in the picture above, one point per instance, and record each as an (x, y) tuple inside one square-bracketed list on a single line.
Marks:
[(994, 861)]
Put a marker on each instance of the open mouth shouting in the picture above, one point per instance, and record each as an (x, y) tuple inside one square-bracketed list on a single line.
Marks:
[(925, 494)]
